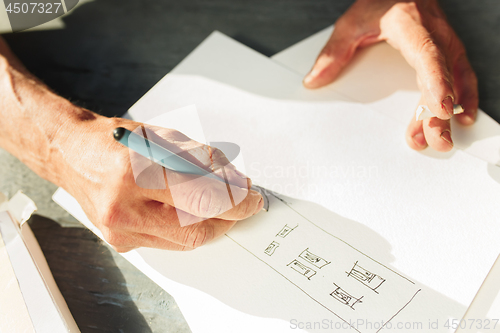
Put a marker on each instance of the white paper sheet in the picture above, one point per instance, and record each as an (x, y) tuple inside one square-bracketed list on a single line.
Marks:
[(14, 316), (483, 314), (36, 304), (421, 215)]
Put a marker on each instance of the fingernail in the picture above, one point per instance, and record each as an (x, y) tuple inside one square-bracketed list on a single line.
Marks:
[(446, 136), (419, 140), (242, 175), (308, 79), (458, 109), (311, 76), (447, 104), (259, 206)]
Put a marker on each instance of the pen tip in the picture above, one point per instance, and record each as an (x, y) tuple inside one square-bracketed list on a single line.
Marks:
[(118, 133)]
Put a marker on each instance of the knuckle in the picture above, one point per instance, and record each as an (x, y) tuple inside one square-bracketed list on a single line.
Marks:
[(405, 7), (428, 45), (245, 210), (201, 154), (207, 202), (215, 152), (403, 13), (113, 238), (218, 155), (196, 237), (112, 217), (218, 159)]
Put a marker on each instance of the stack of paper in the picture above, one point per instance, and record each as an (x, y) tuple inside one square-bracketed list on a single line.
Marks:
[(363, 232), (29, 298)]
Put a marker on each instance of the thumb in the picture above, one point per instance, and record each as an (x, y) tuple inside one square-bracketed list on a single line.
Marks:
[(336, 54)]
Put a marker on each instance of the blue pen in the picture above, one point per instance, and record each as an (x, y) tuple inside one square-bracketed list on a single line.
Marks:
[(167, 158)]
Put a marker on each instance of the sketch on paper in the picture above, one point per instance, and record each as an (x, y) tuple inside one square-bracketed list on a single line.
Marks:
[(286, 230), (271, 248), (313, 259), (344, 297), (329, 268), (369, 279), (302, 269)]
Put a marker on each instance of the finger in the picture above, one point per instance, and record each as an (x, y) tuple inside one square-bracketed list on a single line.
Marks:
[(199, 234), (210, 159), (466, 89), (200, 196), (336, 54), (205, 197), (216, 161), (123, 249), (415, 133), (403, 29), (130, 241), (437, 133), (161, 223)]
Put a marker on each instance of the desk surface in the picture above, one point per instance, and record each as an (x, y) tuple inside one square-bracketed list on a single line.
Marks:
[(108, 56)]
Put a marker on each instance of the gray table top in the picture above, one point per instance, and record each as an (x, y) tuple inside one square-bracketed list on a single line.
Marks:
[(108, 56)]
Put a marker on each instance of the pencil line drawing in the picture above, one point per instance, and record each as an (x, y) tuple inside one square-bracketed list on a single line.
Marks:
[(286, 230), (328, 233), (313, 259), (271, 248), (404, 306), (390, 301), (302, 269), (369, 279), (344, 297)]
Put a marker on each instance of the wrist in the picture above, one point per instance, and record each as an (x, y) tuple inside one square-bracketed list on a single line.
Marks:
[(86, 154), (33, 117), (76, 128)]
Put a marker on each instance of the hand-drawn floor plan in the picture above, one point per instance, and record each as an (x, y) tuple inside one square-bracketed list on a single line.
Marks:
[(347, 282)]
